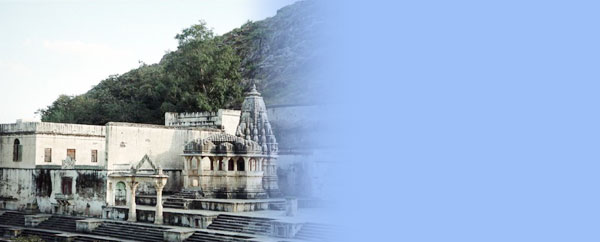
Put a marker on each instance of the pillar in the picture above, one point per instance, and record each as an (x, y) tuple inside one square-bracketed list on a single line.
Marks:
[(110, 199), (159, 184), (186, 167), (132, 206)]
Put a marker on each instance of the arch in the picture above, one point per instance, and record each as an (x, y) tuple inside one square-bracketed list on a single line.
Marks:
[(120, 194), (240, 165), (17, 150), (230, 164)]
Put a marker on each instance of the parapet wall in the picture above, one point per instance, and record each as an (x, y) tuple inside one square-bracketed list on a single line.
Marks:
[(225, 119), (52, 128)]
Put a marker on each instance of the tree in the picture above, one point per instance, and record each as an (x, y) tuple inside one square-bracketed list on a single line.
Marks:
[(201, 75)]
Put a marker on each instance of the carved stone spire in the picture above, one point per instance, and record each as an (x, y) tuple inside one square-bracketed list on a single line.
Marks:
[(254, 123)]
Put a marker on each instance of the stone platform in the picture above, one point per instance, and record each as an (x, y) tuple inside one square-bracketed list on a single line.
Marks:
[(201, 225), (231, 205), (215, 204)]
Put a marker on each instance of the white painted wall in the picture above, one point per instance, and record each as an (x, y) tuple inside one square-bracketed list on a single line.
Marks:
[(128, 143), (6, 151), (60, 143), (35, 137), (229, 120)]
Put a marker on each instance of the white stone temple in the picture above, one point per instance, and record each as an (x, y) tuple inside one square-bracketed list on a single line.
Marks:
[(95, 170), (216, 176)]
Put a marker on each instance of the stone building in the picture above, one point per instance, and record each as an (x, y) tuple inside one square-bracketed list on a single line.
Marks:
[(83, 169)]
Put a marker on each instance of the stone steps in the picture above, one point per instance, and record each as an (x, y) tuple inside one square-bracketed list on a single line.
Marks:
[(206, 236), (46, 236), (13, 218), (67, 224), (236, 224), (314, 232), (242, 224), (90, 239), (174, 203), (130, 231)]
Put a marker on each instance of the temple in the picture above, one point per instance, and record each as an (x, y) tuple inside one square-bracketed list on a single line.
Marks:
[(215, 171)]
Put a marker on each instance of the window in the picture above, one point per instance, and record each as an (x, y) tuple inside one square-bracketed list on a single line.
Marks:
[(230, 165), (48, 155), (94, 156), (17, 151), (212, 165), (240, 164), (66, 185), (71, 153)]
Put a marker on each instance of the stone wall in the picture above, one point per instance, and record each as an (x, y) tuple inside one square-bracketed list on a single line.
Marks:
[(28, 148), (225, 119), (174, 183), (34, 138), (127, 143), (19, 187)]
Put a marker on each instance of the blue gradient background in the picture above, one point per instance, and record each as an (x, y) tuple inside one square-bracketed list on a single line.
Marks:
[(465, 120)]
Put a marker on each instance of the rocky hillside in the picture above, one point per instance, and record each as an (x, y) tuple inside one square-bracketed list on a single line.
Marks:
[(208, 72), (280, 52)]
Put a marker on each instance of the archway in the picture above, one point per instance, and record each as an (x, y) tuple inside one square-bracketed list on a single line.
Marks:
[(240, 164), (230, 165), (17, 150), (120, 194)]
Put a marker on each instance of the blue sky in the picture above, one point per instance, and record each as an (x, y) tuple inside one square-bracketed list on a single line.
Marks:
[(48, 48)]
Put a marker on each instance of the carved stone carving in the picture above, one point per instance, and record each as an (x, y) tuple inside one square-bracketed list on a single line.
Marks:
[(68, 163)]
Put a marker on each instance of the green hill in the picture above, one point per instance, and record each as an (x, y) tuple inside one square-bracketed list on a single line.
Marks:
[(207, 72)]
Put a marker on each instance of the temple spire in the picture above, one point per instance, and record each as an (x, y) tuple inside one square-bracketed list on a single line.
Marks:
[(254, 123), (253, 91)]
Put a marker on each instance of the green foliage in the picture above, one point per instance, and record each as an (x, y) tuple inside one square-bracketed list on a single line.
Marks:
[(201, 75), (205, 73)]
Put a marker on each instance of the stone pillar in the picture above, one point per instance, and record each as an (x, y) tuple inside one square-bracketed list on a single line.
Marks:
[(159, 184), (270, 182), (246, 164), (132, 206), (261, 165), (199, 158), (109, 191), (186, 167)]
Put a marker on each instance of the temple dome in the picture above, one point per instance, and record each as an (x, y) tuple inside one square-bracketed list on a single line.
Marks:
[(222, 143)]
